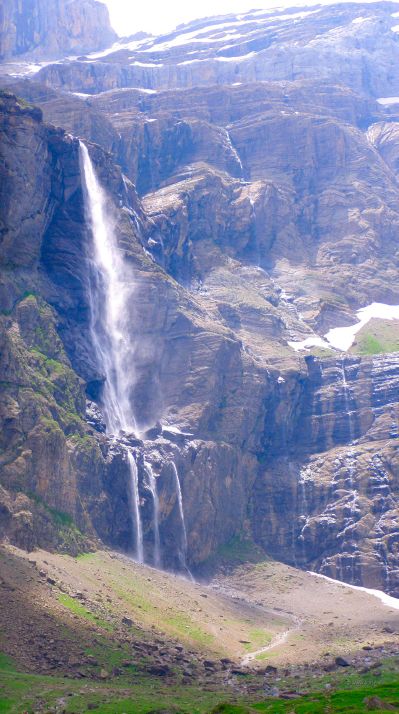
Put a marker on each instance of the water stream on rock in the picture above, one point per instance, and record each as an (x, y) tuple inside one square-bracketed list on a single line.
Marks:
[(111, 289), (183, 549), (233, 149), (152, 485), (347, 397)]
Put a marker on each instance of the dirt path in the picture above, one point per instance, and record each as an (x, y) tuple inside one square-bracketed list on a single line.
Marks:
[(279, 640), (330, 618)]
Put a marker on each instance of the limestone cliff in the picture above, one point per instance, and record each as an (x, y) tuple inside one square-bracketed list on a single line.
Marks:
[(353, 44), (53, 28)]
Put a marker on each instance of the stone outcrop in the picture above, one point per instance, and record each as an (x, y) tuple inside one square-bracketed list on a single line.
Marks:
[(50, 29)]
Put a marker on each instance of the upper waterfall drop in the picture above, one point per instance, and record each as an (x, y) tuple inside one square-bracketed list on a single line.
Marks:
[(111, 290)]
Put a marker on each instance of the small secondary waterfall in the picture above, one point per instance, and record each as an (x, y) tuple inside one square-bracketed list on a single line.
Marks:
[(135, 507), (152, 483), (233, 149), (347, 402), (183, 550), (111, 290)]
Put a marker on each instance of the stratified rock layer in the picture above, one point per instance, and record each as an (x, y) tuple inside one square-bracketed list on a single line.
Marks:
[(353, 44)]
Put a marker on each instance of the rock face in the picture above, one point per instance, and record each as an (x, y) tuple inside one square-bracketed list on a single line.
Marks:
[(252, 214), (335, 508), (352, 44), (51, 28)]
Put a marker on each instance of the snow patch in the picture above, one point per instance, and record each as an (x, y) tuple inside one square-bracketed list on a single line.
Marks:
[(309, 342), (235, 59), (144, 64), (342, 338), (386, 599), (388, 100)]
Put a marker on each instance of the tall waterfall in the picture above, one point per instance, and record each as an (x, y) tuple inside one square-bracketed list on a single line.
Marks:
[(111, 289), (183, 549)]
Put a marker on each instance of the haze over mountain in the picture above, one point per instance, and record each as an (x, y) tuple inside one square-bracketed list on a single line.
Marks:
[(199, 304)]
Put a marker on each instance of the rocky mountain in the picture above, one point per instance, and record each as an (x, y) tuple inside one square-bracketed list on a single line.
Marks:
[(53, 28), (251, 177), (350, 43)]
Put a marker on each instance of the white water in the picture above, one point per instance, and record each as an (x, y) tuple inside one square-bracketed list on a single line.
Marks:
[(111, 290), (183, 550), (135, 507), (152, 482), (232, 148)]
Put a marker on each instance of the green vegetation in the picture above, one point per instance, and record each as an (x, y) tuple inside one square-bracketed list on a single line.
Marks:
[(240, 549), (137, 693), (257, 638), (377, 337), (184, 627), (78, 609), (58, 517), (344, 702)]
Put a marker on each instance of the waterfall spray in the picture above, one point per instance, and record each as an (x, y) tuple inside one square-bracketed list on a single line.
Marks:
[(111, 289)]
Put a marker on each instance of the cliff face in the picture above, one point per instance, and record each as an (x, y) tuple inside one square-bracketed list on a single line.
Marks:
[(55, 469), (328, 500), (49, 28), (252, 215), (354, 45)]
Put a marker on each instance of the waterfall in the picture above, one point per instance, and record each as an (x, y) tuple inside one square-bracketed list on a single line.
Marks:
[(111, 289), (304, 511), (152, 483), (135, 507), (347, 398), (183, 550), (233, 149)]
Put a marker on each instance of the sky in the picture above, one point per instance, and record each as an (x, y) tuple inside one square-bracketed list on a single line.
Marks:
[(158, 16)]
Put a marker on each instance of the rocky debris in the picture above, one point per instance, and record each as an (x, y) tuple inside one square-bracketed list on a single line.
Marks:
[(341, 662), (373, 703), (94, 417), (159, 670)]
